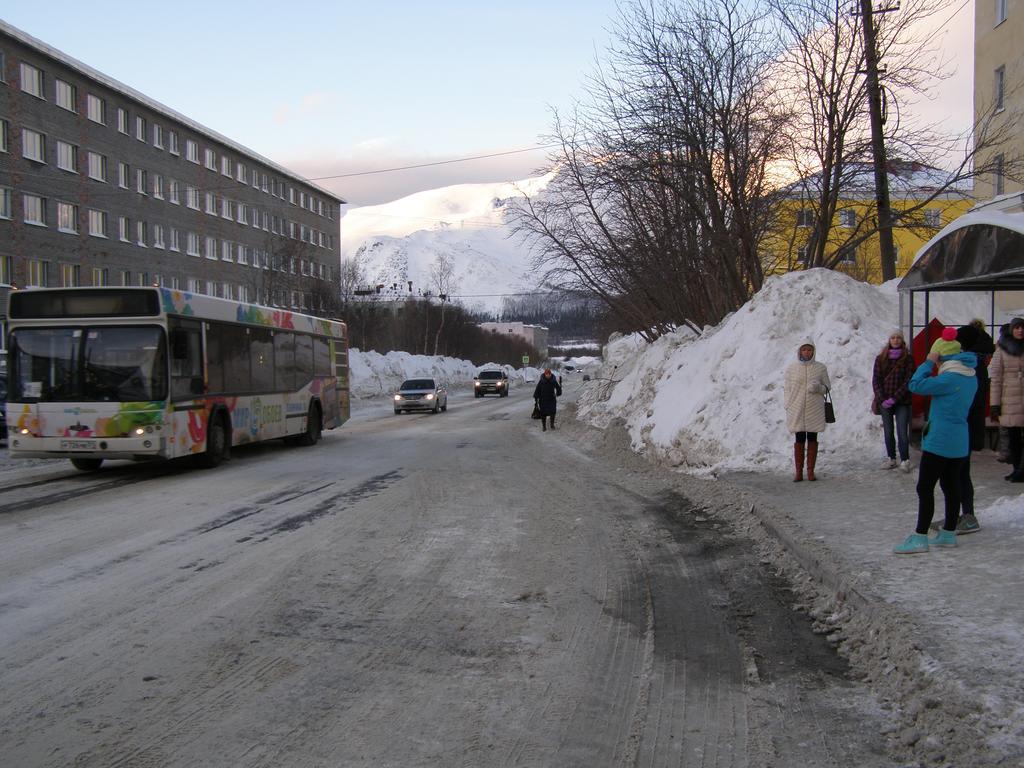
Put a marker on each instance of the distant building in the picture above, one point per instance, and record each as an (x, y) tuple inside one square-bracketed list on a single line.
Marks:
[(999, 87), (785, 247), (534, 335), (101, 185)]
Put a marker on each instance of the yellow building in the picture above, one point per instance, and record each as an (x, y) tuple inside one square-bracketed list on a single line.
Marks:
[(999, 91), (850, 245)]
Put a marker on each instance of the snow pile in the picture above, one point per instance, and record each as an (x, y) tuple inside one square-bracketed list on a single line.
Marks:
[(714, 402), (374, 374), (398, 242)]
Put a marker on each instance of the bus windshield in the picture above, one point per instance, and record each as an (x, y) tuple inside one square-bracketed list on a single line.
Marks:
[(98, 363)]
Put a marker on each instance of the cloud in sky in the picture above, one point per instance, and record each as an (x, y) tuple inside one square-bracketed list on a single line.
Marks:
[(310, 105), (380, 170)]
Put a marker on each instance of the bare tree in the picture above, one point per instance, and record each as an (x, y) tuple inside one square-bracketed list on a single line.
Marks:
[(443, 282), (662, 194), (821, 75)]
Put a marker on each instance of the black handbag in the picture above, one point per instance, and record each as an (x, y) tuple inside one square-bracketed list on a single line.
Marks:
[(536, 411), (830, 411)]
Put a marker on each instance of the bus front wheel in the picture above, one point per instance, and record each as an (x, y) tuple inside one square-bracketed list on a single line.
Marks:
[(87, 465), (216, 443), (314, 426)]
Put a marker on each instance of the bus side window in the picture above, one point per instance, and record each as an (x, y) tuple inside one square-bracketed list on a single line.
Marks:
[(303, 360), (186, 359)]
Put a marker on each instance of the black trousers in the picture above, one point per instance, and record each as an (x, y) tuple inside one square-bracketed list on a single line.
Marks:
[(946, 472), (966, 488)]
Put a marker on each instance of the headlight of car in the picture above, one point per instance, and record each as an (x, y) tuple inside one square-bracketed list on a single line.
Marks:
[(398, 397), (476, 383), (430, 397)]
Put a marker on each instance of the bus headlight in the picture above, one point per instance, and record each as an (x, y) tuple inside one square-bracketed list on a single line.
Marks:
[(140, 431)]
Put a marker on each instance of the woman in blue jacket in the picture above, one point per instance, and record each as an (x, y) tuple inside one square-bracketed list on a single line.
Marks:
[(946, 443)]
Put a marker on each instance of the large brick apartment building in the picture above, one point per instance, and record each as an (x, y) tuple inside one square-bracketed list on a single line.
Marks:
[(100, 185)]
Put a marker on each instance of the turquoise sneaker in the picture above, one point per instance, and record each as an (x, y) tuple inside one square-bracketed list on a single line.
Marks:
[(944, 538), (914, 543)]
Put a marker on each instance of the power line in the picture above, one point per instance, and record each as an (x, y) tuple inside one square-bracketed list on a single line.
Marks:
[(78, 178)]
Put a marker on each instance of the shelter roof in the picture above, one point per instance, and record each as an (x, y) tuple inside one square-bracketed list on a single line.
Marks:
[(983, 250)]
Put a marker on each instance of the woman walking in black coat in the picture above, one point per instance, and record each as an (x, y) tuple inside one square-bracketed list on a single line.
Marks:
[(545, 395)]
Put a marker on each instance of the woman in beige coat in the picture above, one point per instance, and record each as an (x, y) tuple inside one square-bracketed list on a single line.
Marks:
[(1006, 372), (805, 388)]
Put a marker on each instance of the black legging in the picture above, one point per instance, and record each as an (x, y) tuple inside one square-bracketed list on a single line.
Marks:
[(966, 488), (806, 437), (946, 472)]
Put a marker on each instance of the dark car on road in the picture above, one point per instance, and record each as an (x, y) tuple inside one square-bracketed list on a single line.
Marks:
[(490, 382), (421, 395)]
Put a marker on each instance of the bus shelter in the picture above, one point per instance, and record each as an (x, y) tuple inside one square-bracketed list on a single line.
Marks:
[(973, 268), (978, 256)]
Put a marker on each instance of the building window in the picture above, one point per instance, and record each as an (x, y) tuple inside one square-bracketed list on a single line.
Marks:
[(3, 79), (122, 120), (124, 229), (172, 142), (932, 217), (1000, 11), (848, 218), (141, 234), (211, 160), (97, 166), (211, 288), (97, 223), (193, 285), (225, 209), (126, 277), (192, 248), (158, 186), (291, 195), (5, 136), (211, 203), (241, 174), (225, 250), (192, 197), (174, 190), (124, 173), (191, 151), (1000, 180), (70, 275), (225, 165), (142, 279), (848, 256), (95, 109), (1000, 87), (67, 157), (242, 219), (803, 255), (33, 210), (175, 244), (5, 203), (211, 248), (140, 128), (158, 136), (67, 218), (242, 254), (805, 217), (31, 80), (158, 236), (141, 180), (33, 145), (65, 96), (38, 273), (100, 276), (158, 280), (242, 293)]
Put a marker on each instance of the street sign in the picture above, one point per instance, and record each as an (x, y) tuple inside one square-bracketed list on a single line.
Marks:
[(526, 359)]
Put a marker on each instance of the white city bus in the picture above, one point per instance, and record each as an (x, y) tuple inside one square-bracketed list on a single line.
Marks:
[(153, 373)]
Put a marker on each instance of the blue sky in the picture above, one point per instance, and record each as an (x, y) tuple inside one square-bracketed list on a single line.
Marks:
[(339, 87)]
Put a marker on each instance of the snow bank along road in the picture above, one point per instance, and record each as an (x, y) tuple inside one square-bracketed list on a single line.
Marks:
[(451, 590)]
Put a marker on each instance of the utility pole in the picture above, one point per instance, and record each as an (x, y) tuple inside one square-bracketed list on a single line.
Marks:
[(886, 248)]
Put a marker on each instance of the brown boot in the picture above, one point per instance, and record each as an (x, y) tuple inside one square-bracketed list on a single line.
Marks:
[(798, 459), (812, 457)]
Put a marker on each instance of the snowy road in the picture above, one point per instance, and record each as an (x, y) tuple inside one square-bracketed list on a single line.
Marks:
[(452, 589)]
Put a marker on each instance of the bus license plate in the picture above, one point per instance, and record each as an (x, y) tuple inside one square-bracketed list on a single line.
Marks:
[(78, 445)]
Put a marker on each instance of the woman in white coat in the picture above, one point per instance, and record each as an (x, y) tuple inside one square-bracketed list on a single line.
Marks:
[(806, 385)]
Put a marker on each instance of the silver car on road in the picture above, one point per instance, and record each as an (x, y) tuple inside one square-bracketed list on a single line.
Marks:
[(421, 395)]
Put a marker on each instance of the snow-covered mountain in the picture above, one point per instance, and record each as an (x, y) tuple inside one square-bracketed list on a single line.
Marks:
[(398, 242)]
